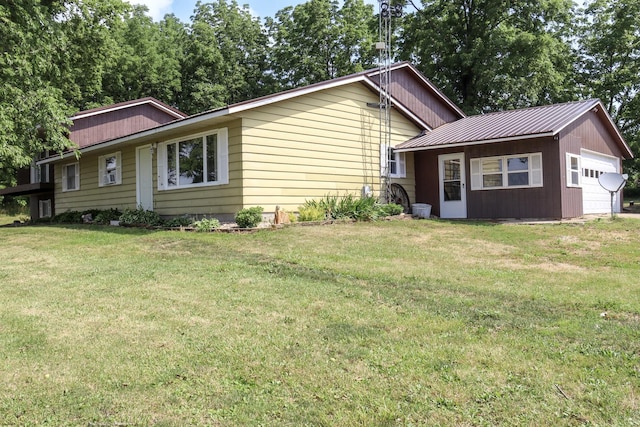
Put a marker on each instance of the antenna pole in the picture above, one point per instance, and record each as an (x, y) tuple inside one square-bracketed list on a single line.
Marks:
[(387, 12)]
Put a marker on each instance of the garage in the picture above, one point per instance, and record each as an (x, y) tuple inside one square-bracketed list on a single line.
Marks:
[(595, 198)]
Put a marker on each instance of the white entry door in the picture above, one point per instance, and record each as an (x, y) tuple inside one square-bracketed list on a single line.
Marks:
[(453, 193), (144, 177)]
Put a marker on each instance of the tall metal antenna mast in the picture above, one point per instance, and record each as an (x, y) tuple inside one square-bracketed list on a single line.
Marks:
[(387, 12)]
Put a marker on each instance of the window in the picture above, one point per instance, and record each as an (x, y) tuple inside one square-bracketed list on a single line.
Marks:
[(574, 171), (109, 169), (71, 177), (44, 208), (395, 162), (519, 171), (196, 161)]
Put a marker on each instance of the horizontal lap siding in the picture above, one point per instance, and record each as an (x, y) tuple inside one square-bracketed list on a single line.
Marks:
[(315, 145), (207, 200), (90, 195)]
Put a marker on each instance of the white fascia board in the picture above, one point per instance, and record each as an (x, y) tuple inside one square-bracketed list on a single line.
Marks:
[(598, 104), (464, 144), (121, 107), (143, 134)]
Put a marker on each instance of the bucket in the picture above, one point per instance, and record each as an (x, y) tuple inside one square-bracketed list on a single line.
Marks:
[(421, 210)]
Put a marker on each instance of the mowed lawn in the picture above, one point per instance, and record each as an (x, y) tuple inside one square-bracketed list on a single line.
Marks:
[(387, 323)]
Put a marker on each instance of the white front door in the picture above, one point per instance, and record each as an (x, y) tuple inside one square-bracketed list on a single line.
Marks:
[(453, 193), (144, 177)]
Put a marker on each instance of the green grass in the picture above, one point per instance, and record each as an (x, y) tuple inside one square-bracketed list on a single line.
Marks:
[(390, 323)]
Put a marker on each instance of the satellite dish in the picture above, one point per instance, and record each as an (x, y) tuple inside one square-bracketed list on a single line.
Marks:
[(612, 182)]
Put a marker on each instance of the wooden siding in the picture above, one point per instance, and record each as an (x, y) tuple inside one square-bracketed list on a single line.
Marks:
[(312, 146), (206, 200), (114, 124), (419, 98), (589, 133), (542, 202)]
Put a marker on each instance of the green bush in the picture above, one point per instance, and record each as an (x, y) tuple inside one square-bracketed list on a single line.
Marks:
[(310, 213), (249, 217), (68, 217), (140, 217), (342, 207), (106, 216), (390, 209), (180, 221), (206, 224)]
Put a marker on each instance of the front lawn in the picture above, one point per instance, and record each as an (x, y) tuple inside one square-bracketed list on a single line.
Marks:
[(389, 323)]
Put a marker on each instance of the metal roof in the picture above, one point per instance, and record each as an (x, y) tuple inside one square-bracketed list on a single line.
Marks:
[(523, 123)]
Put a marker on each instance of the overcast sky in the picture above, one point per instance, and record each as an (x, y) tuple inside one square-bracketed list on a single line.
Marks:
[(183, 9)]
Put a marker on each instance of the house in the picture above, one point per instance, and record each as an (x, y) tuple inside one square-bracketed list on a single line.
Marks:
[(89, 128), (305, 143), (540, 162)]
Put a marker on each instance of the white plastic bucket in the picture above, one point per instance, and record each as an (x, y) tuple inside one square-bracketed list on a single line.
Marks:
[(421, 210)]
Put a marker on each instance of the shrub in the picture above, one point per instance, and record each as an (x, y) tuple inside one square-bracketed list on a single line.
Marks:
[(390, 209), (180, 221), (206, 224), (310, 213), (106, 216), (249, 217), (140, 217), (341, 207), (68, 217)]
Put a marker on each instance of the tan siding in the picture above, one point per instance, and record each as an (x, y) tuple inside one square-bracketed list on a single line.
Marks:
[(207, 200), (325, 143), (90, 195)]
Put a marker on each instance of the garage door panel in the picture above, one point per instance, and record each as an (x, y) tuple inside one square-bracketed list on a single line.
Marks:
[(595, 198)]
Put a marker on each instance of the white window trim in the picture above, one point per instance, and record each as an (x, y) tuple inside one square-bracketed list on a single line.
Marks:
[(398, 158), (535, 174), (64, 177), (223, 160), (103, 180), (44, 208), (570, 182)]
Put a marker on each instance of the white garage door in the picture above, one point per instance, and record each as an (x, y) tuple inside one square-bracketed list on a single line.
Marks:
[(595, 198)]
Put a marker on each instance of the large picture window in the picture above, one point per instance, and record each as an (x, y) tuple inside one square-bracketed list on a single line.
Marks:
[(194, 161), (519, 171), (110, 169)]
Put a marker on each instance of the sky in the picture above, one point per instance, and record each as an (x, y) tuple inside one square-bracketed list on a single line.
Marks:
[(183, 9)]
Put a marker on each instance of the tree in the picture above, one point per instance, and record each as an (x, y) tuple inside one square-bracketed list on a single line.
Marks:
[(33, 111), (609, 49), (225, 57), (317, 41), (493, 54), (148, 59)]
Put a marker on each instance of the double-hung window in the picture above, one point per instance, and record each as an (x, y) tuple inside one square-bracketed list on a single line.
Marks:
[(71, 177), (194, 161), (517, 171), (110, 169), (392, 163), (574, 171)]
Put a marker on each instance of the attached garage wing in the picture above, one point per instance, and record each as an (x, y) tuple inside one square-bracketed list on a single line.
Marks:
[(596, 199)]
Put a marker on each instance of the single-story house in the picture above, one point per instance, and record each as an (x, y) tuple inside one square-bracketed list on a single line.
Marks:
[(326, 138)]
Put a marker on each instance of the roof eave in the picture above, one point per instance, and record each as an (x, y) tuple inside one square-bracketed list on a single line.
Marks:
[(467, 143)]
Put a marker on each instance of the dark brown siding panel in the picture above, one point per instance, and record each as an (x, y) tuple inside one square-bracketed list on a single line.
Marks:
[(592, 135), (419, 98), (115, 124), (24, 176), (542, 202)]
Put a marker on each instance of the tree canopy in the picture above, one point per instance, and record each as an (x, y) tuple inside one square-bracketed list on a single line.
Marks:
[(62, 56)]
